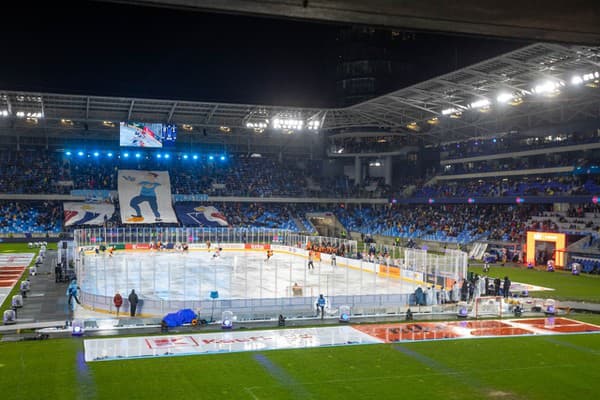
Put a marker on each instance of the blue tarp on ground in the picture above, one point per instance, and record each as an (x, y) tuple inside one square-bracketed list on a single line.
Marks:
[(179, 318)]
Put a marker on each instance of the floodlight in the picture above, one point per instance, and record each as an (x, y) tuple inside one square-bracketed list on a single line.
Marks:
[(195, 157), (126, 155), (449, 111), (576, 80), (96, 154), (185, 156), (480, 103), (80, 153), (211, 158), (545, 87), (504, 97), (68, 153), (137, 155), (167, 155), (109, 154)]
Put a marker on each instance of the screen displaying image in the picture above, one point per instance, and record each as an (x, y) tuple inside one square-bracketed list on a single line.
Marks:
[(169, 134), (135, 134)]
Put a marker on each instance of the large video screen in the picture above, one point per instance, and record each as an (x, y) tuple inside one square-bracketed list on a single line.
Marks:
[(137, 134)]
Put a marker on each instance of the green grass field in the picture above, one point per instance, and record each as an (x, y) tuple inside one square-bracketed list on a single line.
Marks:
[(552, 367), (549, 367), (567, 287)]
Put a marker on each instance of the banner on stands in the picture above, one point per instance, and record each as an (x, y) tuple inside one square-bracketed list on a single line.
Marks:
[(145, 197), (79, 213), (195, 214)]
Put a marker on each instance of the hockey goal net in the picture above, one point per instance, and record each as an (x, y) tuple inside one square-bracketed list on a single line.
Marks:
[(488, 306)]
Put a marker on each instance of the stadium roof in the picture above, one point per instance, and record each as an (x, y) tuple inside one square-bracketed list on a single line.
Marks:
[(558, 20), (541, 84)]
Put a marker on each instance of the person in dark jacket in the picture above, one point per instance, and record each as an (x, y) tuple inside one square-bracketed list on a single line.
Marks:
[(133, 302), (506, 287)]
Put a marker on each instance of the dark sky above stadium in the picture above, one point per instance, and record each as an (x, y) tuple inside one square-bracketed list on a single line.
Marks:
[(123, 50)]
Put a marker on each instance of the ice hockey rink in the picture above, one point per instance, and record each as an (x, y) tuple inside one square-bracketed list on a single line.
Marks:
[(234, 274)]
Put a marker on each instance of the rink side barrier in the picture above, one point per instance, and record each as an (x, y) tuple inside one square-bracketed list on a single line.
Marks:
[(268, 308)]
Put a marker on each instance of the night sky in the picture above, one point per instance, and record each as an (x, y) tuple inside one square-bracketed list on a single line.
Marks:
[(122, 50)]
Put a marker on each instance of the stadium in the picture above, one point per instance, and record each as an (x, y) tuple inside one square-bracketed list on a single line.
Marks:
[(425, 225)]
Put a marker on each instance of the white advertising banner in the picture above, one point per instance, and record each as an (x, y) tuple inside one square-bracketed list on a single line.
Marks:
[(223, 342), (145, 197)]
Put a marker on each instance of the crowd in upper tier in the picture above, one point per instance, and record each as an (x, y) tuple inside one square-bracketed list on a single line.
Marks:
[(28, 172)]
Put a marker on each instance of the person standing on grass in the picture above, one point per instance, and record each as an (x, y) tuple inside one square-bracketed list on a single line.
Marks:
[(118, 302), (506, 287), (133, 302)]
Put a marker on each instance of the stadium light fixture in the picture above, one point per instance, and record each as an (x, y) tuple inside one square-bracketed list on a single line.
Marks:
[(449, 111), (313, 125), (126, 155), (225, 129), (433, 121), (108, 124), (80, 153), (4, 113), (109, 154), (222, 158), (68, 153), (96, 154), (158, 155), (187, 127), (480, 103), (20, 114), (256, 125), (211, 158), (516, 101), (66, 122), (547, 88), (413, 126), (288, 123), (576, 80), (167, 156), (504, 97), (185, 156), (195, 157), (137, 155)]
